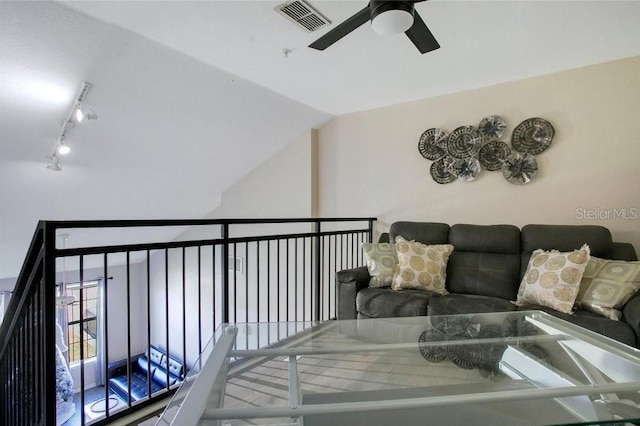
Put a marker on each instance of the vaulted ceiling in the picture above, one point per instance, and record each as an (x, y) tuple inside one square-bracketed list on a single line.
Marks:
[(191, 96)]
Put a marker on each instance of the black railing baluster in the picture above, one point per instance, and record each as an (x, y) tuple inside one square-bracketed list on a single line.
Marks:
[(224, 288), (235, 287), (318, 275), (214, 282), (129, 372), (82, 354), (105, 269), (184, 308), (200, 299), (268, 281), (148, 319), (278, 274), (246, 281), (288, 260), (328, 285), (166, 308), (258, 284), (304, 264), (295, 280)]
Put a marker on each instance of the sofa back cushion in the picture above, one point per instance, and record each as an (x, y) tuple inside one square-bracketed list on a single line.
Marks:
[(485, 260), (154, 354), (422, 232), (564, 238)]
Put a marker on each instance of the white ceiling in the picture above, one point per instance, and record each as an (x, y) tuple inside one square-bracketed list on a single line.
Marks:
[(191, 96)]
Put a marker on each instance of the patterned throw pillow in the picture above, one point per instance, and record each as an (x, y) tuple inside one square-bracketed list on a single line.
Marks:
[(607, 285), (381, 262), (553, 278), (421, 266)]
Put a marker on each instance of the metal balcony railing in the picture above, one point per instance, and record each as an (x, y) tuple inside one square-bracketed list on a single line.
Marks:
[(170, 292)]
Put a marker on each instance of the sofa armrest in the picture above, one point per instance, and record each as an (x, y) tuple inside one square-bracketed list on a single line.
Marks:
[(631, 315), (348, 283)]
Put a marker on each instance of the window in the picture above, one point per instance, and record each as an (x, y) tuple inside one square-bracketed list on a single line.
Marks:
[(89, 324)]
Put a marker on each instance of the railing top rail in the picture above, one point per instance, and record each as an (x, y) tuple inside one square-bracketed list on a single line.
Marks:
[(84, 251), (193, 222)]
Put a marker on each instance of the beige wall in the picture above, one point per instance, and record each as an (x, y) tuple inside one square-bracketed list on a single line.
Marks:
[(279, 187), (369, 163)]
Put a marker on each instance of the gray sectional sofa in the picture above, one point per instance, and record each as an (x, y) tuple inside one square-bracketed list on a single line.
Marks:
[(484, 273)]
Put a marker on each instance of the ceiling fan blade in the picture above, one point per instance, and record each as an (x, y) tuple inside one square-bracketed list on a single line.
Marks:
[(420, 35), (342, 30)]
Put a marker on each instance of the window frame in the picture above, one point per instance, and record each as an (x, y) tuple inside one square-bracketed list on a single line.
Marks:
[(78, 290)]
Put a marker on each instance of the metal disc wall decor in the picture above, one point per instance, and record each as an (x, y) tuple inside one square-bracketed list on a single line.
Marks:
[(519, 168), (493, 154), (532, 136), (463, 153), (492, 127), (441, 170), (429, 352), (467, 169), (432, 144), (464, 142)]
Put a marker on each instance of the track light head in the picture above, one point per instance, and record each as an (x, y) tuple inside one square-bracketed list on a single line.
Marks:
[(63, 148), (54, 163), (83, 112)]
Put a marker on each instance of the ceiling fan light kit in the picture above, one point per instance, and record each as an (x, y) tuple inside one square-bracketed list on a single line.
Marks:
[(391, 17), (387, 17)]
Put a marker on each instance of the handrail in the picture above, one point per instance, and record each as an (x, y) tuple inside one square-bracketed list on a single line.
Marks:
[(194, 222)]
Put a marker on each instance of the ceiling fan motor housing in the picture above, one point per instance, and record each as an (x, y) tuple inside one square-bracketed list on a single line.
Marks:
[(391, 17)]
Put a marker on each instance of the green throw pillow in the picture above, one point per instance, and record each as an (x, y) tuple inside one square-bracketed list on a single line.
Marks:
[(381, 262)]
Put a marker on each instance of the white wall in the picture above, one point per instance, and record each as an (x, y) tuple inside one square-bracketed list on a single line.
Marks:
[(369, 163)]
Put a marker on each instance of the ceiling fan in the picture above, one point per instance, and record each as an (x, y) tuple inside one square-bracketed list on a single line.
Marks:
[(387, 17)]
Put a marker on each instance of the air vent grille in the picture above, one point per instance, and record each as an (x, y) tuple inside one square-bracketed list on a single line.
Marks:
[(303, 15)]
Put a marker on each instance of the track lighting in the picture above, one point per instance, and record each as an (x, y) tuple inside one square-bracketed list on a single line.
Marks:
[(79, 112), (83, 112)]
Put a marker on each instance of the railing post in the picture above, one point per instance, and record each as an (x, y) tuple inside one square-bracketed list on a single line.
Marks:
[(318, 269), (48, 337), (224, 288), (370, 230)]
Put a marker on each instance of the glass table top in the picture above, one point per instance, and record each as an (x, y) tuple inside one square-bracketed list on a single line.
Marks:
[(513, 368)]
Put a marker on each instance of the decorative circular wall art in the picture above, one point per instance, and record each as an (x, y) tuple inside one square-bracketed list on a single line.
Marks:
[(467, 169), (493, 154), (464, 142), (519, 168), (463, 153), (492, 127), (532, 136), (441, 170), (432, 144)]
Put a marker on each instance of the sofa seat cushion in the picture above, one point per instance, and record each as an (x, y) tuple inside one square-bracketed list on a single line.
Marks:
[(617, 330), (456, 304), (385, 302), (139, 387)]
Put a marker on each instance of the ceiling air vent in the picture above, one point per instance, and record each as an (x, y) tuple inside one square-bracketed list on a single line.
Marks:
[(303, 15)]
